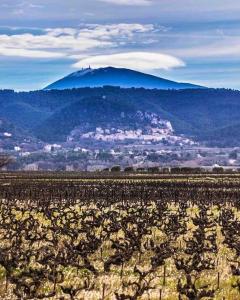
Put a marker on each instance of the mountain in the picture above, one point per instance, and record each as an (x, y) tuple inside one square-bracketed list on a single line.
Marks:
[(93, 114), (194, 113), (116, 114), (226, 135), (110, 76), (11, 135)]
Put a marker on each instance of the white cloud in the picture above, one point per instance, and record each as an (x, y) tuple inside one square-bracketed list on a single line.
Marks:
[(31, 5), (220, 47), (29, 53), (60, 42), (51, 41), (128, 2), (122, 30), (224, 51), (132, 60), (18, 11)]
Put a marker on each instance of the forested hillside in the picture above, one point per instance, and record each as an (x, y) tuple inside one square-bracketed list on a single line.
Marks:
[(51, 115)]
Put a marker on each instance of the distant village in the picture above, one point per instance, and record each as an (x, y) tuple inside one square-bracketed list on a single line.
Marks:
[(155, 145), (74, 157)]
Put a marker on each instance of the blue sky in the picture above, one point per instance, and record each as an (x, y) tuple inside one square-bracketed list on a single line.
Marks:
[(194, 41)]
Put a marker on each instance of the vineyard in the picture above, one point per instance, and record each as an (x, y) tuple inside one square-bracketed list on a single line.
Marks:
[(156, 237)]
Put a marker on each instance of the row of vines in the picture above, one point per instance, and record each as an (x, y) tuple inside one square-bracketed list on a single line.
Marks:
[(123, 239)]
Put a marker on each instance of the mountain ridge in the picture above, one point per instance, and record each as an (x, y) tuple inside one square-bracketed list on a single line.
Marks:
[(52, 115), (110, 76)]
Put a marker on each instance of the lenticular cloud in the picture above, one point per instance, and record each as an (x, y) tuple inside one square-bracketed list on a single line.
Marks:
[(134, 60)]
